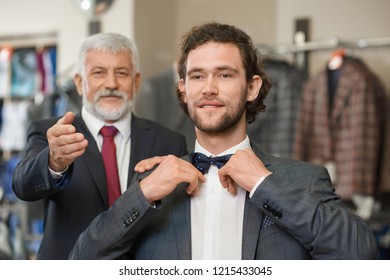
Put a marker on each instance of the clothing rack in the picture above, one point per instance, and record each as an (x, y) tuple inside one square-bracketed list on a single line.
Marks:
[(330, 44), (300, 49)]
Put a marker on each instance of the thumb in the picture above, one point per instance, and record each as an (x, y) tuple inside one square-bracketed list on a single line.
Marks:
[(68, 118)]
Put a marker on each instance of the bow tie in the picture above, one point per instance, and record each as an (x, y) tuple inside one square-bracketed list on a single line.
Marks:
[(203, 162)]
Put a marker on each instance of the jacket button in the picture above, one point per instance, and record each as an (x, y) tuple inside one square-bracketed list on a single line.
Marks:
[(278, 215)]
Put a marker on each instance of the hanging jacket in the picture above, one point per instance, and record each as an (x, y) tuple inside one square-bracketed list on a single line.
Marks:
[(348, 132)]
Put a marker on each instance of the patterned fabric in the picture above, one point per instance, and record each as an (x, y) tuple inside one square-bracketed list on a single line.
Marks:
[(274, 129), (203, 162), (347, 132), (267, 222)]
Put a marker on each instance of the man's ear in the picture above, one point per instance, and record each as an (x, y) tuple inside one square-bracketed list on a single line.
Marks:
[(78, 81), (137, 82), (254, 88), (181, 87)]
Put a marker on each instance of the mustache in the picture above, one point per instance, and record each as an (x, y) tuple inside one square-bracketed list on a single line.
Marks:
[(208, 99), (110, 93)]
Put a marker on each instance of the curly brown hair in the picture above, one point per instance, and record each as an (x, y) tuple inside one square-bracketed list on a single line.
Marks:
[(224, 33)]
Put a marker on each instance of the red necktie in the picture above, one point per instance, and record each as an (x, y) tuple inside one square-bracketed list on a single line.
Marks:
[(110, 164)]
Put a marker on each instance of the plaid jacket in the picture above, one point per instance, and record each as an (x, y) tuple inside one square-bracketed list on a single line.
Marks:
[(348, 133)]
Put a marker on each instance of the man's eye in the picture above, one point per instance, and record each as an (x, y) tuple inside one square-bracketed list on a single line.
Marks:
[(195, 77), (122, 73)]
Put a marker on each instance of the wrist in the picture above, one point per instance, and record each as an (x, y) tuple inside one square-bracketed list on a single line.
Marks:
[(147, 192)]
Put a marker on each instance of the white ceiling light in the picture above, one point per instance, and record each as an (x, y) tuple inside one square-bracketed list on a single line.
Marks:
[(92, 8)]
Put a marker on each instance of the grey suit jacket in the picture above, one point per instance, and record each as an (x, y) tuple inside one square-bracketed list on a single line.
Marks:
[(294, 214), (68, 211)]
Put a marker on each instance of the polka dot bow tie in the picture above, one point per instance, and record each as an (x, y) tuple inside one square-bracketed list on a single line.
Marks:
[(203, 162)]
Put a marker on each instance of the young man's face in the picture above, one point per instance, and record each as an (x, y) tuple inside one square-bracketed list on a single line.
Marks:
[(215, 88)]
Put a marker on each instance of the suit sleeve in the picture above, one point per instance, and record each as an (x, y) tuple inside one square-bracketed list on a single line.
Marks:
[(313, 214), (31, 178), (112, 233)]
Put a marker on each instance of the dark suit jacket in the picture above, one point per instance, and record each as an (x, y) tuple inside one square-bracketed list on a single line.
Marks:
[(294, 214), (274, 129), (70, 210)]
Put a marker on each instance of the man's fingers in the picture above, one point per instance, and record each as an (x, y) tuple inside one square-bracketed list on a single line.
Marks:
[(68, 118), (63, 126), (232, 188), (193, 186), (228, 183), (148, 164)]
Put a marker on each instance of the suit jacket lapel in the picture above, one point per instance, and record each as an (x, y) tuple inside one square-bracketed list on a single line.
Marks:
[(343, 93), (182, 220), (142, 142), (92, 158), (253, 217)]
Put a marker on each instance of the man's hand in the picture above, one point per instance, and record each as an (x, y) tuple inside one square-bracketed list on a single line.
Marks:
[(243, 168), (65, 143), (170, 172), (148, 164)]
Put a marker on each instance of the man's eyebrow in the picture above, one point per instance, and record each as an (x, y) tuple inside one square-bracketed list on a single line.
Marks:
[(196, 69), (219, 68), (227, 67)]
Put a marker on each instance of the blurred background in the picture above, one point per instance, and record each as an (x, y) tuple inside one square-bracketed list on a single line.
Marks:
[(40, 39)]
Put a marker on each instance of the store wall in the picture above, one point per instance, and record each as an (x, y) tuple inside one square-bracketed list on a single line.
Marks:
[(155, 29), (61, 16), (159, 29)]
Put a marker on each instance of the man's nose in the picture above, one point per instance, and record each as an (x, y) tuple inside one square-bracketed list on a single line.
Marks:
[(210, 86), (111, 81)]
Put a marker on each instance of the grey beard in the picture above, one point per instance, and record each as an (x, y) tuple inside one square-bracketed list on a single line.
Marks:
[(104, 114)]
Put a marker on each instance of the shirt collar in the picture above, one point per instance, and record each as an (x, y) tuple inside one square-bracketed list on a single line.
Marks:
[(241, 146), (94, 124)]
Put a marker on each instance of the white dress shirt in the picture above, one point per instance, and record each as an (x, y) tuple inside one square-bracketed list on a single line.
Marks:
[(216, 215)]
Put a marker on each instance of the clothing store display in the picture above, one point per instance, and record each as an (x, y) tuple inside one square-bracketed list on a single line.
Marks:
[(6, 170), (16, 236), (110, 163), (23, 69), (5, 246), (274, 129), (343, 127), (5, 73), (62, 100), (13, 130)]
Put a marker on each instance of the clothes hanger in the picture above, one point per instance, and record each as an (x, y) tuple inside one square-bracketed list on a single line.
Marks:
[(336, 59)]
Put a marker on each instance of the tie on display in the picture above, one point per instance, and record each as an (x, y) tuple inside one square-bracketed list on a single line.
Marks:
[(203, 162), (110, 163)]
